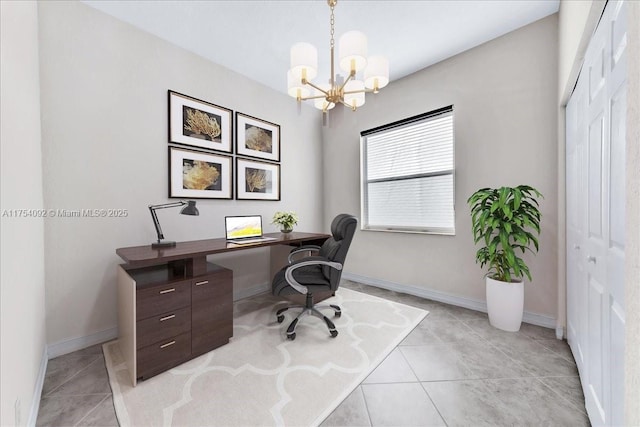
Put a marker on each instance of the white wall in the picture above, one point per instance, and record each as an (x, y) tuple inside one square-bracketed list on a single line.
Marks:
[(22, 325), (104, 129), (577, 21), (503, 94)]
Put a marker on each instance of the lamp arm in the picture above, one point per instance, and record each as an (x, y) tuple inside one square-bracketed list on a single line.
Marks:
[(156, 223), (168, 205)]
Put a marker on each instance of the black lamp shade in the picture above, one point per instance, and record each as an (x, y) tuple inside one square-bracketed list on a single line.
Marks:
[(190, 209)]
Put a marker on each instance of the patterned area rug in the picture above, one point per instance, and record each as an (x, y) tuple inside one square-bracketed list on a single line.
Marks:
[(260, 377)]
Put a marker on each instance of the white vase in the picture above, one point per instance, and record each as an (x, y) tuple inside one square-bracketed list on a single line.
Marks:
[(505, 304)]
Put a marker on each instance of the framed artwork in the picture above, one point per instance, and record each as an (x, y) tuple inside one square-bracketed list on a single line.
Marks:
[(257, 138), (198, 175), (257, 180), (199, 123)]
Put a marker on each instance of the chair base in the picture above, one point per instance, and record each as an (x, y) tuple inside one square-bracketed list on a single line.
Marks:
[(309, 308)]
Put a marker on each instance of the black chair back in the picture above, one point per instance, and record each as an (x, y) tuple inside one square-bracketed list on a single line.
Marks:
[(335, 248)]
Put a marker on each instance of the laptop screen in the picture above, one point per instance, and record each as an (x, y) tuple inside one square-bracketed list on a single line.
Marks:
[(240, 227)]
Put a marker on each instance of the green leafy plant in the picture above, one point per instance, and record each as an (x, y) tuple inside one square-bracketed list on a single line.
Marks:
[(505, 220), (286, 219)]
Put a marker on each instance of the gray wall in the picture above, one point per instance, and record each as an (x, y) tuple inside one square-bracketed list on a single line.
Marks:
[(503, 94), (22, 291), (104, 138)]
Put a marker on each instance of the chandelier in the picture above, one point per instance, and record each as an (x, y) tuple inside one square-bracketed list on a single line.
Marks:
[(352, 60)]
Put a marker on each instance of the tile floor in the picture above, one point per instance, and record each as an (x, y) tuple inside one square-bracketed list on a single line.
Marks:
[(453, 369)]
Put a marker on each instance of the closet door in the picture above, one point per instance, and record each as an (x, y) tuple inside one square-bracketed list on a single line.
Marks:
[(595, 187), (615, 172)]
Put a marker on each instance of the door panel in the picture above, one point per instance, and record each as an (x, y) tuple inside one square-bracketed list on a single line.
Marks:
[(617, 360), (595, 177), (596, 347)]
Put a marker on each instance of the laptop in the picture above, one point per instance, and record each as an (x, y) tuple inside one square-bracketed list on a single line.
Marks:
[(244, 230)]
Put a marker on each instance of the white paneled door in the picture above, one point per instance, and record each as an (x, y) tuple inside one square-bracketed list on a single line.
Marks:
[(595, 156)]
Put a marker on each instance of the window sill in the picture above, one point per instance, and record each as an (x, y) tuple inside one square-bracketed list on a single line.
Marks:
[(409, 231)]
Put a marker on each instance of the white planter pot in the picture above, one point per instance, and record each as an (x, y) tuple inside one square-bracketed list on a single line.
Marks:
[(505, 304)]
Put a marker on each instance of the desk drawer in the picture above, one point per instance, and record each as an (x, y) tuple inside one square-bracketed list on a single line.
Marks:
[(156, 300), (162, 327), (163, 355)]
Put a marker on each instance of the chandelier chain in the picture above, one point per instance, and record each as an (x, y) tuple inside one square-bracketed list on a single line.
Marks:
[(333, 21)]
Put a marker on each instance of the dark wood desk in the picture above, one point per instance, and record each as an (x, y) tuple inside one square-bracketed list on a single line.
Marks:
[(173, 305), (193, 255)]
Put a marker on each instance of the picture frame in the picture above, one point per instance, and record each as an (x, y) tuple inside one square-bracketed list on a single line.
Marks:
[(199, 175), (257, 138), (198, 123), (256, 180)]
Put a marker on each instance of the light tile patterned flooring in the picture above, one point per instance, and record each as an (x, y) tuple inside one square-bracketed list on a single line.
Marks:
[(453, 369)]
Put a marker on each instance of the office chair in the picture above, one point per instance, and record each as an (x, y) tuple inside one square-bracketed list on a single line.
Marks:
[(319, 273)]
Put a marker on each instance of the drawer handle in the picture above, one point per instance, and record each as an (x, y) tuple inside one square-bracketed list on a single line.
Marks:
[(162, 319), (204, 282), (166, 291), (167, 344)]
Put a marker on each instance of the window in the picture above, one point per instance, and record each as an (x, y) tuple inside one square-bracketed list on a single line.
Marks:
[(407, 175)]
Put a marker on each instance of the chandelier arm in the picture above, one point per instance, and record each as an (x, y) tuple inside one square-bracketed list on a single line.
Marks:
[(346, 81), (313, 97), (347, 92), (360, 91), (347, 105), (317, 88)]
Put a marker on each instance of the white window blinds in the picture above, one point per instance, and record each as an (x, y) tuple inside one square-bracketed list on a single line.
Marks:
[(407, 175)]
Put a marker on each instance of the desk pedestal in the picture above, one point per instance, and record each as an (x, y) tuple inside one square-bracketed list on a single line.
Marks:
[(165, 320)]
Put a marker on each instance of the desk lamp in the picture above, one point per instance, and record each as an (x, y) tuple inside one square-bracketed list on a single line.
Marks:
[(189, 209)]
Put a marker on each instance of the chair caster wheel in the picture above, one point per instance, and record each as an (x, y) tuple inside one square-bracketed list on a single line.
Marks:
[(292, 336), (280, 318), (336, 310), (333, 334)]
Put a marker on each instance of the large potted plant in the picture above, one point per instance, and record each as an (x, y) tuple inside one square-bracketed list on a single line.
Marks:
[(506, 222)]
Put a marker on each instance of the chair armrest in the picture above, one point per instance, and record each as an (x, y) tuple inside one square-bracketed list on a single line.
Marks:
[(288, 274), (308, 248)]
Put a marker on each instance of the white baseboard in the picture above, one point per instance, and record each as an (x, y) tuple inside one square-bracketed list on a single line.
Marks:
[(470, 303), (37, 392), (559, 332), (249, 292), (75, 344)]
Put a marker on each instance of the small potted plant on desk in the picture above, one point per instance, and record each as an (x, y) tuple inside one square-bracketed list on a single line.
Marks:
[(504, 220), (286, 220)]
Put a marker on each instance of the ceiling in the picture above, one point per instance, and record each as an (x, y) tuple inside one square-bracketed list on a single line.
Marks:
[(253, 38)]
